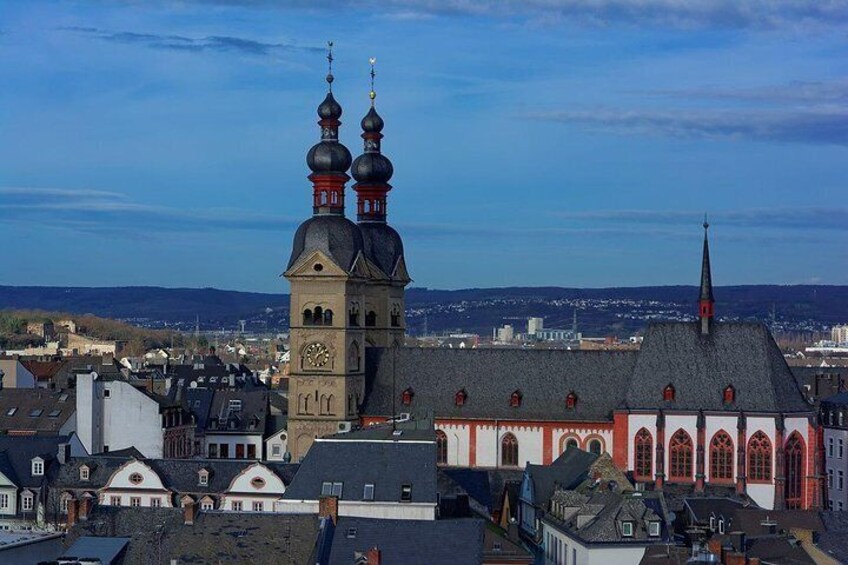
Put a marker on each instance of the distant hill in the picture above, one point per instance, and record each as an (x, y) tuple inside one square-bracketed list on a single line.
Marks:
[(599, 311)]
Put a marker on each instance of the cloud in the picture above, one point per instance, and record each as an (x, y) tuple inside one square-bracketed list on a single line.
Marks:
[(803, 92), (212, 43), (819, 126), (797, 218), (731, 14)]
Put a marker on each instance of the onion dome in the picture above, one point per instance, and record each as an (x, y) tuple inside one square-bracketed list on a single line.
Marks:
[(328, 159), (372, 122)]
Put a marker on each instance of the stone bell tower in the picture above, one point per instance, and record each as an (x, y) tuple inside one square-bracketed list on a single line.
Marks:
[(328, 274)]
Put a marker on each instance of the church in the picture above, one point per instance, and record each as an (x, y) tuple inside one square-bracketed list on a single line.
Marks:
[(703, 404)]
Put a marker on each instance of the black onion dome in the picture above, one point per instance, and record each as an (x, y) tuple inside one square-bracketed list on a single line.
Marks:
[(372, 168), (328, 157), (372, 122), (383, 245), (329, 108), (335, 236)]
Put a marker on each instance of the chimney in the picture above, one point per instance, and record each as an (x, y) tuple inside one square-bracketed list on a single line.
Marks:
[(73, 511), (64, 453), (328, 506), (373, 556), (189, 512), (84, 507)]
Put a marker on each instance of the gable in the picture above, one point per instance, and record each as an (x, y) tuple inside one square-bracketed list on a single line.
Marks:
[(306, 266), (122, 478), (257, 479)]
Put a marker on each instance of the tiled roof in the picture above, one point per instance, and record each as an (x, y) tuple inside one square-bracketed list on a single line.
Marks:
[(410, 542), (386, 464), (490, 376), (35, 410), (160, 535), (700, 367)]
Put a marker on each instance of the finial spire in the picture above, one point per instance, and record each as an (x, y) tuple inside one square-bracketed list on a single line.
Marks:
[(706, 302), (373, 93), (330, 64)]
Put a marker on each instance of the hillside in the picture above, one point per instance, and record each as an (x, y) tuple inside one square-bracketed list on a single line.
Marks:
[(802, 308)]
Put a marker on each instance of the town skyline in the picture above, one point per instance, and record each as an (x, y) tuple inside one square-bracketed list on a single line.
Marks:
[(587, 149)]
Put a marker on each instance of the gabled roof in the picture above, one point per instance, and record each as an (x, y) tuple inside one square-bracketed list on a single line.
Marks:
[(17, 453), (251, 418), (567, 471), (386, 464), (490, 376), (700, 368), (410, 542), (37, 411)]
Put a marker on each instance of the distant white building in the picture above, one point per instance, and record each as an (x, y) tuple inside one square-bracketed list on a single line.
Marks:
[(534, 325), (14, 375), (505, 334), (839, 334)]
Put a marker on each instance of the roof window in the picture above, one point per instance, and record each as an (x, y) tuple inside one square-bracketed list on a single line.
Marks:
[(571, 400), (11, 411), (35, 412), (515, 399), (668, 392), (627, 529), (368, 492), (729, 395), (654, 529), (406, 493), (54, 413), (406, 398), (461, 397)]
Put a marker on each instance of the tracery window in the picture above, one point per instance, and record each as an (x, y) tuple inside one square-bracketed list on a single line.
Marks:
[(794, 461), (644, 453), (759, 457), (509, 451), (680, 456), (441, 447), (721, 457)]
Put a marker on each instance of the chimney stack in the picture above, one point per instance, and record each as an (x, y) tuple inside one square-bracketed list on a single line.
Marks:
[(64, 453), (328, 506), (373, 556), (189, 511)]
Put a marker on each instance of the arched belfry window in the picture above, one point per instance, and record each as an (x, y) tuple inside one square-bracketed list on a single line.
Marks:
[(318, 316), (353, 314), (643, 450), (441, 447), (307, 317), (759, 458), (794, 462), (509, 451), (680, 456), (721, 457), (328, 317), (395, 316)]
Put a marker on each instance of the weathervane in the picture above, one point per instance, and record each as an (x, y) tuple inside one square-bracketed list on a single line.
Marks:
[(706, 223), (372, 94), (330, 64)]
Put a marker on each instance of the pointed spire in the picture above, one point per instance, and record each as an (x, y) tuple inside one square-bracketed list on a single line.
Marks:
[(372, 170), (329, 160), (706, 302)]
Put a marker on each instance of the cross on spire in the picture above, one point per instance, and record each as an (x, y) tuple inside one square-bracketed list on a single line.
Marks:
[(373, 93), (330, 64)]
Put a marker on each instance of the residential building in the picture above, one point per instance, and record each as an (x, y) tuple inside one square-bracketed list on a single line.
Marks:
[(839, 334), (13, 374), (534, 325), (28, 412), (833, 418), (112, 414)]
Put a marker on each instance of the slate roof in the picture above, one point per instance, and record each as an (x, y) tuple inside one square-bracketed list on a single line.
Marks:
[(61, 404), (490, 376), (17, 453), (335, 236), (100, 468), (703, 508), (382, 245), (102, 548), (250, 419), (159, 535), (567, 471), (701, 367), (386, 464), (411, 542)]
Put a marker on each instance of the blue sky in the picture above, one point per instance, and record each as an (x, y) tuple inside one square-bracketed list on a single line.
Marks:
[(535, 143)]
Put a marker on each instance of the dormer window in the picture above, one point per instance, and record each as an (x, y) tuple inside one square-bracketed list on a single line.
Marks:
[(203, 477), (729, 394), (406, 493), (407, 397), (461, 397), (37, 467), (84, 473), (627, 529), (668, 393), (571, 400), (654, 529), (515, 399)]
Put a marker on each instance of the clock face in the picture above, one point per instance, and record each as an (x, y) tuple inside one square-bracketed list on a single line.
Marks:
[(317, 354)]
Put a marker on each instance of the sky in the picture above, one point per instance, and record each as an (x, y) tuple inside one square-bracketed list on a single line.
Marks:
[(535, 142)]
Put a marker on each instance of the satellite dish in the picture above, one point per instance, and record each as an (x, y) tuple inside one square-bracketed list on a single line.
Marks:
[(672, 516), (94, 375), (192, 385)]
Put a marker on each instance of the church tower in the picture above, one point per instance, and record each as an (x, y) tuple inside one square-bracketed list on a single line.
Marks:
[(384, 307), (328, 274), (706, 302)]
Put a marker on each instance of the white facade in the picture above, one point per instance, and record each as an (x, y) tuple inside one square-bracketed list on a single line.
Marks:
[(561, 549), (234, 443), (113, 415), (365, 509), (135, 484), (256, 489), (276, 446)]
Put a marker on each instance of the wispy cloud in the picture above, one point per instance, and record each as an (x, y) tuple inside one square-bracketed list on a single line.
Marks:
[(796, 92), (796, 218), (732, 14), (213, 43), (820, 126)]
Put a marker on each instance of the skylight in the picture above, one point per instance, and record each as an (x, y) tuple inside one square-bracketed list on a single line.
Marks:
[(11, 411), (35, 412)]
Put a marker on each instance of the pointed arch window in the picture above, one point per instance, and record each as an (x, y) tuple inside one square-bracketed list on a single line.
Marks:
[(643, 454), (509, 451), (794, 461), (759, 458), (515, 399), (395, 316), (353, 356), (668, 392), (680, 456), (729, 395), (571, 400), (370, 319), (461, 397), (721, 457), (406, 397), (441, 447), (353, 314)]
